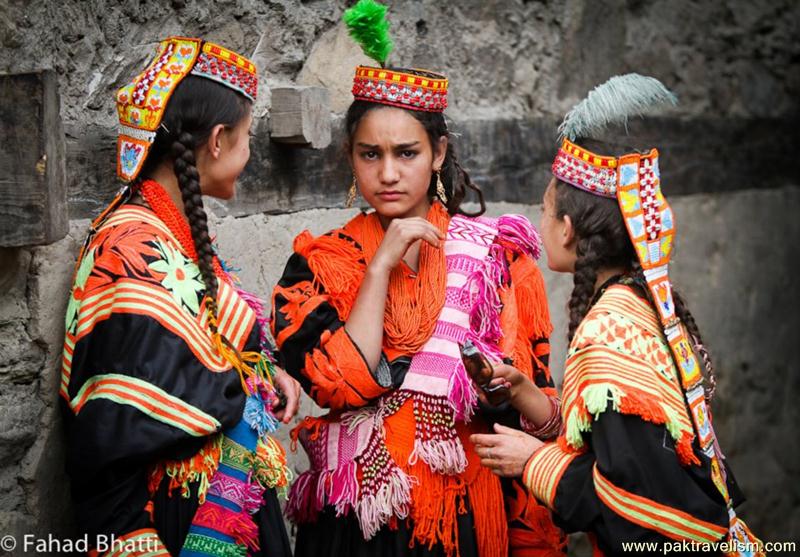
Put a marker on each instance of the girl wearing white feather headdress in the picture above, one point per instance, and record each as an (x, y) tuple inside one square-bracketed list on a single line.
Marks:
[(637, 459)]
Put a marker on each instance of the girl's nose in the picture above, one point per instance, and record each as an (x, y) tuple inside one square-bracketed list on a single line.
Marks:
[(389, 172)]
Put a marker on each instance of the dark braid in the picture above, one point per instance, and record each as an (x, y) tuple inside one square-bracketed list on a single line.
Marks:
[(196, 107), (189, 182), (590, 254), (602, 241), (455, 179)]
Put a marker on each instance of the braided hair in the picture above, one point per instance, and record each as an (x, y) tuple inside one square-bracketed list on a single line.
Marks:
[(197, 106), (603, 242), (455, 179)]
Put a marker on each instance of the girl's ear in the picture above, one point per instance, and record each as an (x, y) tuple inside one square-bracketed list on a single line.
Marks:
[(439, 152), (567, 233), (214, 142)]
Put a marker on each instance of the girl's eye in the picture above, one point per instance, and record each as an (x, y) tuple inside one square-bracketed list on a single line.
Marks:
[(369, 155), (407, 154)]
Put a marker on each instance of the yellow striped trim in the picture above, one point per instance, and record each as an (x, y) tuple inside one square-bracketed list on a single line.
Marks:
[(148, 399), (138, 216), (140, 543), (433, 83), (621, 300), (665, 520), (600, 364), (544, 470), (66, 364), (132, 296), (229, 56), (587, 156)]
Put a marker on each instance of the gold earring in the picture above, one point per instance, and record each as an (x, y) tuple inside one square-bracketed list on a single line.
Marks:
[(440, 187), (351, 194)]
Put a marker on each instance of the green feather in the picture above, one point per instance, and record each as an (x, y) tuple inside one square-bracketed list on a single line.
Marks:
[(366, 22)]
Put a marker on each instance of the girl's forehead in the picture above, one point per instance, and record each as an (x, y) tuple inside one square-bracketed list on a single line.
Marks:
[(390, 122)]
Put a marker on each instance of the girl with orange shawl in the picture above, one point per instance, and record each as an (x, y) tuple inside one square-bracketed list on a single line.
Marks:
[(369, 318)]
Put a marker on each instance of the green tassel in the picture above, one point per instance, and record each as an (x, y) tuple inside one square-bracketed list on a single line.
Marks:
[(575, 427), (366, 22), (596, 398)]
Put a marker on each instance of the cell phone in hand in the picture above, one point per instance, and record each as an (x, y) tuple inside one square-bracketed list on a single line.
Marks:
[(481, 371)]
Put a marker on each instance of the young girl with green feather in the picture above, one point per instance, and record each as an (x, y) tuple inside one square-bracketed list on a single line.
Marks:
[(637, 460), (369, 318)]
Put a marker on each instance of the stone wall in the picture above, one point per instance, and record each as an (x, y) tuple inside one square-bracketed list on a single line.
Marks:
[(515, 66)]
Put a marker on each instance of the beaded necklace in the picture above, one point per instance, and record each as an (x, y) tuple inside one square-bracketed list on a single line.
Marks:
[(162, 205)]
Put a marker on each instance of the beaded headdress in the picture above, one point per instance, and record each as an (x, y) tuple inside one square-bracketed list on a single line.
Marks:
[(406, 88), (634, 181), (141, 103)]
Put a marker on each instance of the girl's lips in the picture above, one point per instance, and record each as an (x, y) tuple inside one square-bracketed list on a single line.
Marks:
[(390, 195)]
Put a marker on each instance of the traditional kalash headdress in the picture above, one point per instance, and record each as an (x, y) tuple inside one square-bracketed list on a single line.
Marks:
[(142, 102), (406, 88), (634, 181)]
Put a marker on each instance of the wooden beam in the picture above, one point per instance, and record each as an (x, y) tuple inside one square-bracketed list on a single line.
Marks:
[(33, 191), (301, 116)]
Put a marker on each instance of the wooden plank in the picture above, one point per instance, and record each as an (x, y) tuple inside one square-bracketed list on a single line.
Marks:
[(33, 193), (301, 116)]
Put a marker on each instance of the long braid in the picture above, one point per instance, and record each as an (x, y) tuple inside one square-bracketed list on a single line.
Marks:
[(602, 241), (591, 252), (189, 183)]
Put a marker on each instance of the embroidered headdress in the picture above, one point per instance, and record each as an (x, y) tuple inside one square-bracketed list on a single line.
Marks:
[(406, 88), (635, 181), (141, 103)]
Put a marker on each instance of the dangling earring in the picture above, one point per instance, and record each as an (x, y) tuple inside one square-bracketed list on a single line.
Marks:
[(351, 194), (440, 187)]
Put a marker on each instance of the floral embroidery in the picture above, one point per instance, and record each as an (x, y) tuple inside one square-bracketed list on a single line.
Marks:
[(181, 276), (81, 276)]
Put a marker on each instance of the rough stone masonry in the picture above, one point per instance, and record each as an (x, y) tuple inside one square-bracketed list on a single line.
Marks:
[(728, 156)]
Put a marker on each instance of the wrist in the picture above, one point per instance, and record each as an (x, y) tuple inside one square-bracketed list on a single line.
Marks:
[(522, 390), (378, 269)]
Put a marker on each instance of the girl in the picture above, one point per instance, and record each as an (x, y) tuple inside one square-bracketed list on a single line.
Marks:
[(637, 460), (369, 318), (167, 381)]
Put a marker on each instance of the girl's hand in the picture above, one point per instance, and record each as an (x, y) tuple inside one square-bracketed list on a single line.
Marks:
[(511, 378), (509, 375), (400, 235), (290, 388), (507, 451)]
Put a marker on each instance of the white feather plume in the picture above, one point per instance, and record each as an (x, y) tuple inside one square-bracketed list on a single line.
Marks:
[(614, 102)]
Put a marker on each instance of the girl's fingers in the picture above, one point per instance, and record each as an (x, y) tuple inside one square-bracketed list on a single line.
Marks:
[(484, 439), (501, 429)]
